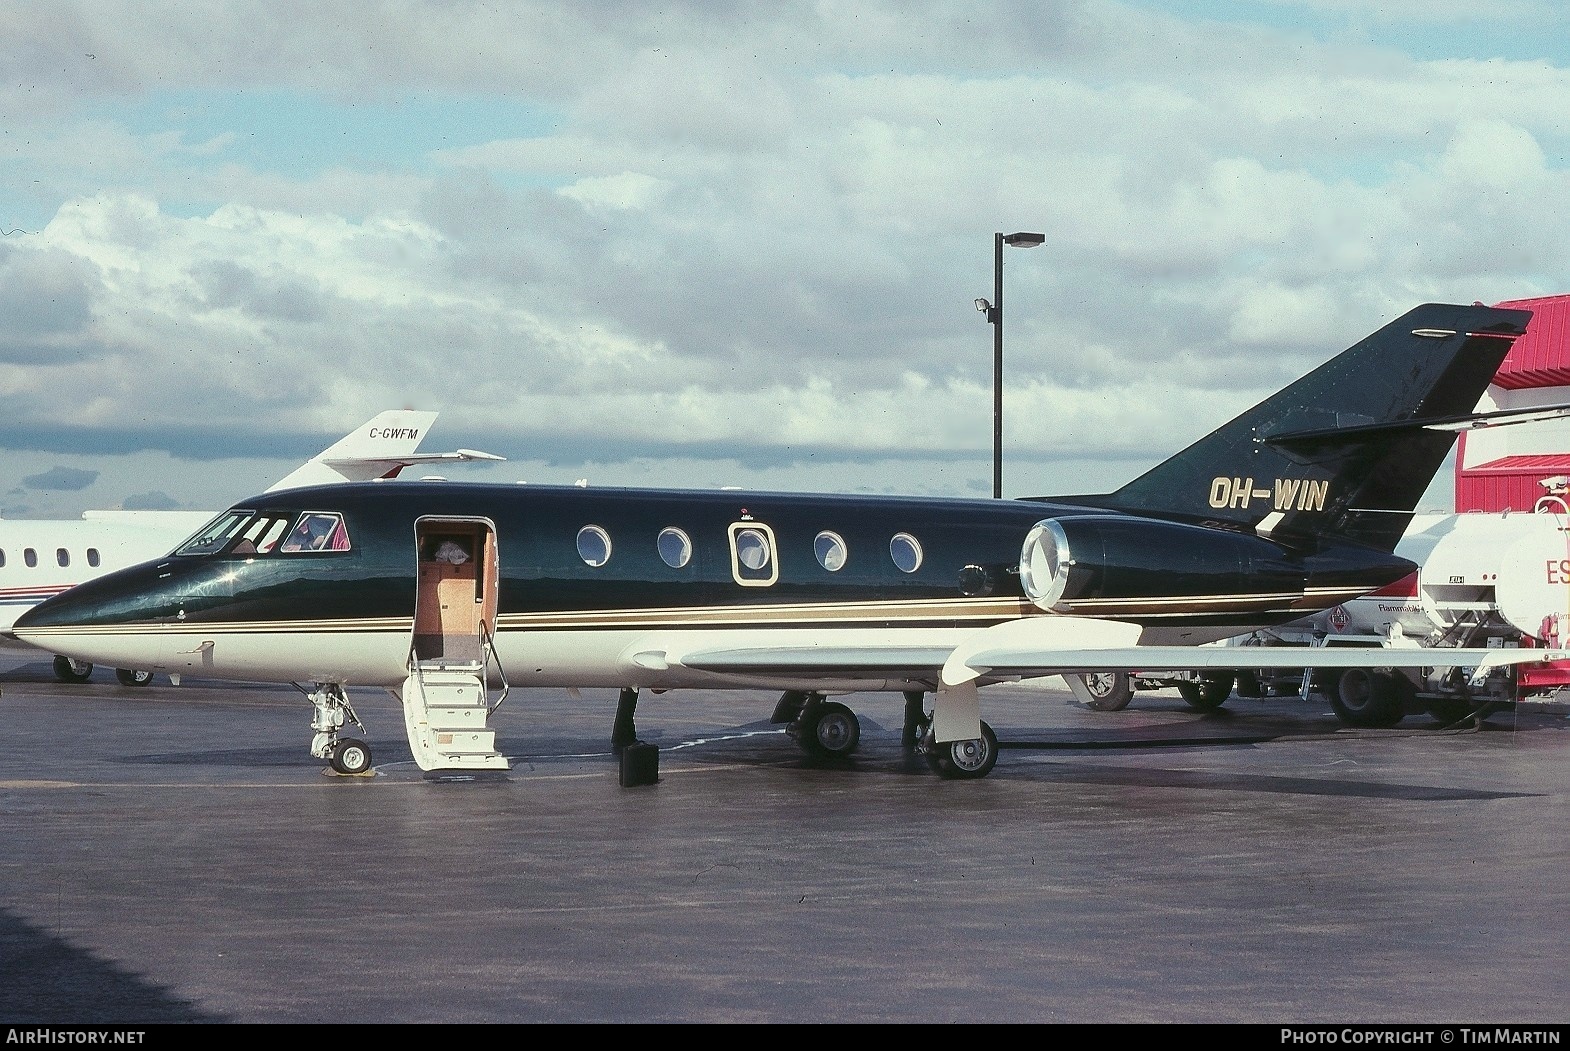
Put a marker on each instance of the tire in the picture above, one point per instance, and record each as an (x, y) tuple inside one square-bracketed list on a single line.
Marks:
[(1109, 690), (967, 760), (69, 669), (133, 677), (1209, 693), (1367, 699), (829, 731), (351, 756), (1248, 685)]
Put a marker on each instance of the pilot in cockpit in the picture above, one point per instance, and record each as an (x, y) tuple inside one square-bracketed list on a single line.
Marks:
[(310, 534)]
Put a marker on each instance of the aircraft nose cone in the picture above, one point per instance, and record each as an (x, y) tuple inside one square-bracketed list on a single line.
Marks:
[(56, 611), (114, 620), (125, 596)]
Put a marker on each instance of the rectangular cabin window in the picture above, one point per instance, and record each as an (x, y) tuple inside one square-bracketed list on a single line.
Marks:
[(92, 558), (2, 558), (752, 555), (62, 557), (30, 557)]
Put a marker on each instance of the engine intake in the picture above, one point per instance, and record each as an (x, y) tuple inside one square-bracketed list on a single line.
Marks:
[(1074, 558)]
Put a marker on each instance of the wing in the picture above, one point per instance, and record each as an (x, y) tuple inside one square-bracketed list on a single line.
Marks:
[(1023, 649), (953, 663), (850, 658), (1020, 649)]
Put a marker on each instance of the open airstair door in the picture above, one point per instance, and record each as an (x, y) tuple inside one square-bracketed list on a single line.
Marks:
[(446, 701)]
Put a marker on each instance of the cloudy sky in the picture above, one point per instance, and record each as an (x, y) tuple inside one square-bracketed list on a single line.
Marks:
[(730, 242)]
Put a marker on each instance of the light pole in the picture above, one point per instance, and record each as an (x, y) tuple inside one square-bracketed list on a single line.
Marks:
[(994, 312)]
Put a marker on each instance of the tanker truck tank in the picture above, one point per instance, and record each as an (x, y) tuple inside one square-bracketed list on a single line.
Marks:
[(1481, 577), (1484, 579)]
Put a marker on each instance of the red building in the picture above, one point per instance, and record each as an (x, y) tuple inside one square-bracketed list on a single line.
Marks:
[(1511, 468), (1525, 467)]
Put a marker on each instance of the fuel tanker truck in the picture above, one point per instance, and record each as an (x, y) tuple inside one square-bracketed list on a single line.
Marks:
[(1483, 580)]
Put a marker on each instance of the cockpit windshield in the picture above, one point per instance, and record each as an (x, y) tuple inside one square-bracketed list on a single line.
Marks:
[(252, 533), (215, 534)]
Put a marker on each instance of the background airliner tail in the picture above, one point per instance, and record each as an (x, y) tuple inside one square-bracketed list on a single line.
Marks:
[(380, 448), (1348, 450)]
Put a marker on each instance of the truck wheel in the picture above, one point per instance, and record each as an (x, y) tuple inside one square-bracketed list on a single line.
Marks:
[(1209, 693), (1367, 698), (1109, 691)]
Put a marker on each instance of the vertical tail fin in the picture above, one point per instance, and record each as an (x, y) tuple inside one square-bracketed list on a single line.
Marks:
[(1342, 452)]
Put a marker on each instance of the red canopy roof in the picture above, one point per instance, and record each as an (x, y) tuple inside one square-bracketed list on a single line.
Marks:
[(1541, 357)]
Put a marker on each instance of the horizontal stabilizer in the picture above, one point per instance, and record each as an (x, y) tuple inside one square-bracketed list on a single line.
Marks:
[(1467, 422), (365, 468)]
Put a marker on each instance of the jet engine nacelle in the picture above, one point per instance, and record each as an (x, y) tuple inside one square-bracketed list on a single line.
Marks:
[(1073, 558)]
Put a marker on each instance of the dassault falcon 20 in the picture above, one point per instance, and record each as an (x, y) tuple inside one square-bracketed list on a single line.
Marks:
[(443, 592)]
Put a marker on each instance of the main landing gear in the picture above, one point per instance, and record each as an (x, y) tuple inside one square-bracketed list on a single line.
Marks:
[(829, 730), (69, 669), (347, 755), (824, 729), (956, 760)]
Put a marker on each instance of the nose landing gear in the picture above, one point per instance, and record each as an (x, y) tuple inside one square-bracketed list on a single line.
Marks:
[(346, 755)]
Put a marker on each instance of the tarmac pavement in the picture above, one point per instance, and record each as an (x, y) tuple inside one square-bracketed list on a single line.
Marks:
[(174, 854)]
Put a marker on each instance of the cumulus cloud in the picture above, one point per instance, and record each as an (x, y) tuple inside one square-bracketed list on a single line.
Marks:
[(154, 501), (717, 233), (46, 300), (66, 479)]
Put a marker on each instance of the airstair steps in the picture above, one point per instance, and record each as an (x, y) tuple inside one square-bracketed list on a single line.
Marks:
[(445, 713)]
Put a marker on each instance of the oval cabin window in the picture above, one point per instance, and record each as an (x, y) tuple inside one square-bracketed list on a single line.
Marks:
[(594, 546), (905, 550), (831, 551), (675, 547)]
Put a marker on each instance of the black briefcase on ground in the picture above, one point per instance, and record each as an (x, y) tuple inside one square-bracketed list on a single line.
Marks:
[(640, 764)]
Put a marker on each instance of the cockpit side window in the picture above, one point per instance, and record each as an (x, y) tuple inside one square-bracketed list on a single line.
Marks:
[(317, 531), (215, 535), (261, 534)]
